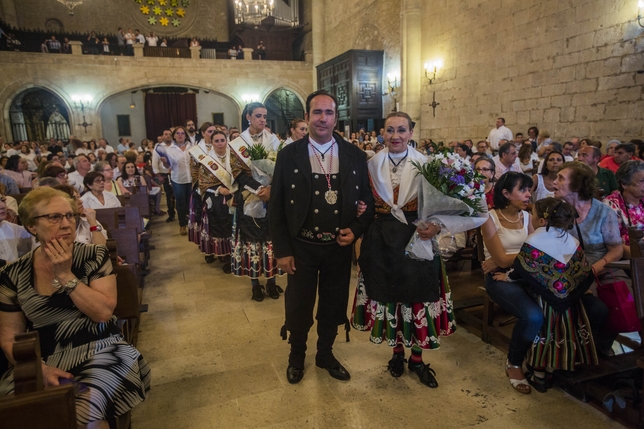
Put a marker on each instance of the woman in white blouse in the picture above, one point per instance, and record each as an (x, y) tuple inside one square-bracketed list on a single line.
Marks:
[(15, 241), (98, 197)]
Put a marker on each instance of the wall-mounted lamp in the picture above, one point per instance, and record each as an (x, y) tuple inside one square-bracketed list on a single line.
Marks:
[(250, 98), (393, 80), (432, 68), (640, 6), (132, 104), (81, 101)]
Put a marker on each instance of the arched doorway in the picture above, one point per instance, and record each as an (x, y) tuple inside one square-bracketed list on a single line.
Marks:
[(37, 114), (283, 106)]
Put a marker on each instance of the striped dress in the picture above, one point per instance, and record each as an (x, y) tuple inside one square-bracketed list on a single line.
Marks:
[(115, 373)]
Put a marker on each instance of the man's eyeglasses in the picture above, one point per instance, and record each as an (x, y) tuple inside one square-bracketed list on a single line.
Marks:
[(58, 217), (180, 133)]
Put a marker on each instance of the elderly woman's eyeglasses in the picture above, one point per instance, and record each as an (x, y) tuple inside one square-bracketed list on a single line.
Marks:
[(479, 169), (58, 217), (98, 181)]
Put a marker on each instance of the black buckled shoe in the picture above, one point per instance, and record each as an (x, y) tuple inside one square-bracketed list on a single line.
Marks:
[(294, 375), (209, 259), (396, 365), (335, 369), (258, 293), (272, 290), (425, 374)]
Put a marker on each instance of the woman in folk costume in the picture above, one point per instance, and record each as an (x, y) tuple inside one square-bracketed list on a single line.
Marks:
[(553, 266), (211, 221), (252, 253), (404, 302)]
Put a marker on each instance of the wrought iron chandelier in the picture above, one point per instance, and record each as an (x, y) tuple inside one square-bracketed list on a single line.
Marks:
[(253, 12)]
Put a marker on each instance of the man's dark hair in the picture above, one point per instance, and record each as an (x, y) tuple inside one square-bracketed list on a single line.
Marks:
[(502, 119), (120, 139), (568, 144), (518, 134), (628, 147), (315, 94), (505, 148)]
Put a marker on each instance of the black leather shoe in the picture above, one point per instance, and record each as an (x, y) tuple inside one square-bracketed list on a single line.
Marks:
[(396, 365), (294, 375), (336, 370), (425, 374), (271, 290), (170, 219), (227, 268), (209, 259), (258, 293)]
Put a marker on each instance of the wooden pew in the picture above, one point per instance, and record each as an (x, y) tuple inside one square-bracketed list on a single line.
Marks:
[(32, 405), (136, 200), (128, 305), (594, 382)]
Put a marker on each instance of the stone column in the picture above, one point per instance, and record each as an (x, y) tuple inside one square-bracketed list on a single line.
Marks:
[(248, 54), (77, 47), (318, 9), (138, 50), (195, 52), (411, 61)]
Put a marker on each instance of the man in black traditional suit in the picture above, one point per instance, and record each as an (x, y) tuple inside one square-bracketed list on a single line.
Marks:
[(317, 185)]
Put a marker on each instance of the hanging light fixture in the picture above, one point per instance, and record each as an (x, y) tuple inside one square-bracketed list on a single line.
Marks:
[(253, 12)]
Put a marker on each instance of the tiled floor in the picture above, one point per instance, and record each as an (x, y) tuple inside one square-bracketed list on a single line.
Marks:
[(218, 362)]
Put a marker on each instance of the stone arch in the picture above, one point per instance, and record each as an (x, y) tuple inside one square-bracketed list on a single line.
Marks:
[(283, 105), (11, 92)]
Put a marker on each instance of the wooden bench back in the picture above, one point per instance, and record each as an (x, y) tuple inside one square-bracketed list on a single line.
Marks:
[(635, 236), (120, 217), (127, 244), (32, 405)]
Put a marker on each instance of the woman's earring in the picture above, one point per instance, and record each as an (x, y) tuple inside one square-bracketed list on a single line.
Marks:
[(249, 123)]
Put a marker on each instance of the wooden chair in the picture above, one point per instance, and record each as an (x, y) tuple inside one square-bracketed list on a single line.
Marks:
[(19, 197), (128, 303), (462, 306), (489, 331), (32, 405)]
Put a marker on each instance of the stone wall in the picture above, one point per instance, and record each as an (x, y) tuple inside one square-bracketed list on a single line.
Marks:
[(104, 77), (569, 67), (203, 18), (364, 24)]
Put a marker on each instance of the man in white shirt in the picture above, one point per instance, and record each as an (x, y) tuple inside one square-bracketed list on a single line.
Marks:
[(507, 160), (15, 150), (568, 150), (177, 159), (152, 40), (161, 170), (501, 132), (82, 167), (102, 145), (139, 38), (192, 136)]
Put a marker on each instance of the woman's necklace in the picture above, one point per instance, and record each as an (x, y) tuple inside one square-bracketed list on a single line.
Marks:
[(396, 164), (508, 220)]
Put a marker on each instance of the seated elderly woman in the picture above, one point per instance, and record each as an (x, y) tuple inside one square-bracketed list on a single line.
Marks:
[(88, 229), (628, 201), (67, 292), (98, 197), (17, 169), (111, 185), (15, 240), (598, 233)]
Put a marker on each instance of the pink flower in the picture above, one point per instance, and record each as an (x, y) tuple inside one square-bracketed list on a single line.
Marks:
[(559, 266), (535, 253), (559, 286)]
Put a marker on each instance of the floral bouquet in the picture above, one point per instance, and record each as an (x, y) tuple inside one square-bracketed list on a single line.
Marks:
[(452, 195), (262, 166)]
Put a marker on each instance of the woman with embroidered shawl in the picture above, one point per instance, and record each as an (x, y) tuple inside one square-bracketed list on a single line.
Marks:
[(252, 252), (553, 266), (405, 302), (210, 223)]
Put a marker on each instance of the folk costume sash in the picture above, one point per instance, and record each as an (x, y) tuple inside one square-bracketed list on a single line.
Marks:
[(242, 143), (378, 167), (214, 166)]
